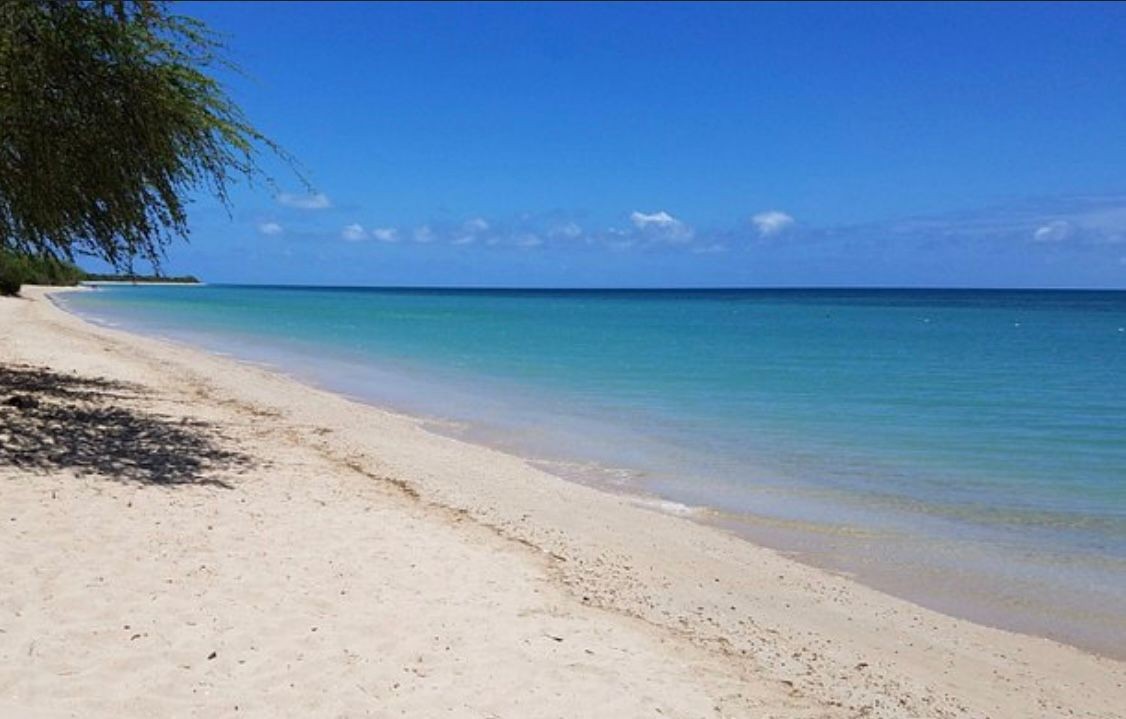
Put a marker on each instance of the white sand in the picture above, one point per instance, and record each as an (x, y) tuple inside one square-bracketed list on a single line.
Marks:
[(362, 566)]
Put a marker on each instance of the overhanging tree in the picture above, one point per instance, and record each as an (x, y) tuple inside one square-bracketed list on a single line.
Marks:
[(110, 120)]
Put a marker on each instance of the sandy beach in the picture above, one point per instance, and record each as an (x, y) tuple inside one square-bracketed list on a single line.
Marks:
[(186, 535)]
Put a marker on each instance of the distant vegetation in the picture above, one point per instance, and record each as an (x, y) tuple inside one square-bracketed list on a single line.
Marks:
[(18, 269), (182, 279)]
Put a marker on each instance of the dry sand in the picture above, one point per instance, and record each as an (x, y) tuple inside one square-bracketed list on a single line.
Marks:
[(191, 536)]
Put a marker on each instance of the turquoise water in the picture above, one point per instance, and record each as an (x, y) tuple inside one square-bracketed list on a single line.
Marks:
[(972, 439)]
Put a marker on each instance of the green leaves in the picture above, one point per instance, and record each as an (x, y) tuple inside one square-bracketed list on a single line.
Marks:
[(17, 269), (108, 121)]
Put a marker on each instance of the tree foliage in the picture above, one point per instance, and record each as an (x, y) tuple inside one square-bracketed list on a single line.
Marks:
[(18, 269), (109, 120)]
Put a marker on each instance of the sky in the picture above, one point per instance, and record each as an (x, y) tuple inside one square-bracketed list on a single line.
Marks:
[(664, 145)]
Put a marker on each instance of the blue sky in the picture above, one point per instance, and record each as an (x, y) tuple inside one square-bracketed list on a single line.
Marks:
[(676, 145)]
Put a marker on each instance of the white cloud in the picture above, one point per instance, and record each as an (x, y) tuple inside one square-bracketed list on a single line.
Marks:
[(570, 230), (528, 240), (661, 225), (1054, 231), (318, 201), (658, 219), (270, 228), (385, 234), (471, 230), (771, 222), (477, 224), (424, 234), (354, 233), (1091, 222)]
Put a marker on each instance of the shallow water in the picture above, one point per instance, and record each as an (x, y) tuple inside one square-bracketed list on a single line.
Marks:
[(964, 448)]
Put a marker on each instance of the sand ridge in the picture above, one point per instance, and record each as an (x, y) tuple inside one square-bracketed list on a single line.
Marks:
[(359, 565)]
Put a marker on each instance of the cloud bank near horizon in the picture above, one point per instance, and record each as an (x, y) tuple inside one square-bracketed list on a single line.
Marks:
[(1077, 240), (1076, 222)]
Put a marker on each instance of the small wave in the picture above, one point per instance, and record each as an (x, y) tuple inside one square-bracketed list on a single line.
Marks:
[(668, 506)]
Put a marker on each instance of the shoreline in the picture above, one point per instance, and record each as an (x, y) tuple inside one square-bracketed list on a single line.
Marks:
[(1048, 595), (800, 639)]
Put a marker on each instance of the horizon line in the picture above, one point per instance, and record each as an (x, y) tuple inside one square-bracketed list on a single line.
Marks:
[(686, 288)]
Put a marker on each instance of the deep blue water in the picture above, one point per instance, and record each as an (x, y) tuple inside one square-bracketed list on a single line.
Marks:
[(983, 432)]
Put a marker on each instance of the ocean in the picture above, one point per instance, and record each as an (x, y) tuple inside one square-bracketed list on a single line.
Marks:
[(964, 449)]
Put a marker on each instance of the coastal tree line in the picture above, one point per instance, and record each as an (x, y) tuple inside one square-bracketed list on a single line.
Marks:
[(111, 120)]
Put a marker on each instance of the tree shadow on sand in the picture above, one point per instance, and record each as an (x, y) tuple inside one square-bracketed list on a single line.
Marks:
[(51, 421)]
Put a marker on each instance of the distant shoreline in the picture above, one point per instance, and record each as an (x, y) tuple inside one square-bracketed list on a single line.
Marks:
[(471, 289), (99, 283)]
